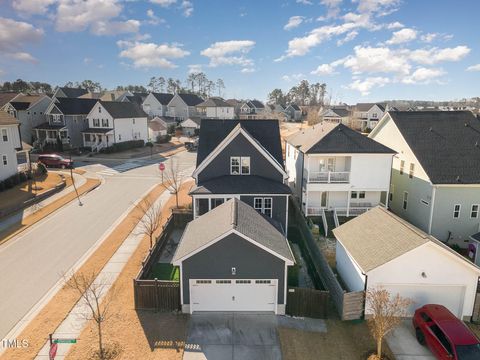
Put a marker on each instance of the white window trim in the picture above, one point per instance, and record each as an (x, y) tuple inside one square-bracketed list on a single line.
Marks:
[(471, 211), (402, 167), (4, 160), (4, 133), (459, 210), (262, 209), (411, 170), (239, 165)]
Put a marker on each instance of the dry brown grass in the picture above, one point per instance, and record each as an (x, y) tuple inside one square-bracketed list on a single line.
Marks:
[(50, 317), (140, 334), (46, 210)]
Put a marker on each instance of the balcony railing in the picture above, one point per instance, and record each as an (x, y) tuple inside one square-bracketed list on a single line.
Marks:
[(352, 211), (329, 177), (314, 210)]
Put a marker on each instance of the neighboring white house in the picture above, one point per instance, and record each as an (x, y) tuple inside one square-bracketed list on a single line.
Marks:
[(156, 129), (191, 126), (335, 115), (367, 115), (183, 106), (9, 144), (336, 172), (155, 104), (436, 173), (111, 122), (294, 112), (29, 110), (379, 249), (216, 108)]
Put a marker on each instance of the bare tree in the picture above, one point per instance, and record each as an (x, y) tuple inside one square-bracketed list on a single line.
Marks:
[(93, 292), (149, 218), (172, 178), (387, 313)]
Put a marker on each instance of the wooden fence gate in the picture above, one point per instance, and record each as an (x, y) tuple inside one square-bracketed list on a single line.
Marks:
[(156, 295), (307, 302)]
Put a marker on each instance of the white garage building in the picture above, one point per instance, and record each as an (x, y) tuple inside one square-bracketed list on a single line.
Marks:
[(380, 249)]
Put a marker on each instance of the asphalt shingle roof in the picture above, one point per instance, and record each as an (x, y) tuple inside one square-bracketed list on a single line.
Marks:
[(232, 215), (213, 131), (257, 104), (231, 184), (120, 110), (75, 106), (214, 102), (446, 143), (191, 99), (163, 98), (6, 97), (7, 119), (23, 102), (73, 92), (329, 138)]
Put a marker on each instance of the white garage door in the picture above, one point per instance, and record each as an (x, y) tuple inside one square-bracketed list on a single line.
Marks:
[(451, 296), (233, 295)]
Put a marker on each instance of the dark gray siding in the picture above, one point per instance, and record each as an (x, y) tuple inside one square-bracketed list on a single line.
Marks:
[(279, 207), (216, 262), (75, 125), (240, 146)]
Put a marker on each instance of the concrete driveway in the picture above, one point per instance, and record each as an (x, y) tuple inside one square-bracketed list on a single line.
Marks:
[(404, 345), (232, 336)]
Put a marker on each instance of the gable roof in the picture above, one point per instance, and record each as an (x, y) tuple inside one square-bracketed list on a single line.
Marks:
[(195, 119), (156, 125), (73, 92), (163, 98), (294, 107), (233, 215), (169, 120), (329, 138), (191, 99), (214, 131), (446, 143), (257, 104), (123, 109), (7, 119), (379, 236), (341, 112), (232, 184), (6, 97), (75, 106), (23, 102), (214, 102), (137, 99)]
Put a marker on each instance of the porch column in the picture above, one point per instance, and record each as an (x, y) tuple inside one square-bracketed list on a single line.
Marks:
[(348, 202), (194, 207)]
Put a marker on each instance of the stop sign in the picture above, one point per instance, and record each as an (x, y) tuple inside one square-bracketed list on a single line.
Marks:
[(161, 166), (53, 351)]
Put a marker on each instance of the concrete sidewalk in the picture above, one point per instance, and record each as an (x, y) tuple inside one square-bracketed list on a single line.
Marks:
[(404, 345), (74, 323), (22, 214)]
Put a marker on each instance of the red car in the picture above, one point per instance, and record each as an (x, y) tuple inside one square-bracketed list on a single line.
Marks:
[(54, 160), (446, 336)]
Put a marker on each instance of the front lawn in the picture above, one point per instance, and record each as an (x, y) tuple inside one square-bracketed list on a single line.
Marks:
[(163, 271)]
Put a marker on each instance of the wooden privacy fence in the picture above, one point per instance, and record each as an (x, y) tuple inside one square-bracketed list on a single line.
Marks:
[(349, 305), (156, 295), (307, 302)]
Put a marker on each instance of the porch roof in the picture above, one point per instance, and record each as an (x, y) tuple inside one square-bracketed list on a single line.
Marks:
[(97, 131), (234, 184), (48, 126)]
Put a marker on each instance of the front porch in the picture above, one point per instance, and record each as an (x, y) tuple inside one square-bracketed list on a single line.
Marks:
[(49, 134), (98, 139)]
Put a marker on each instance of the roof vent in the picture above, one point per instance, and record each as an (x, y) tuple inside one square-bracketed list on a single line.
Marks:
[(466, 125), (476, 143), (458, 179), (431, 129)]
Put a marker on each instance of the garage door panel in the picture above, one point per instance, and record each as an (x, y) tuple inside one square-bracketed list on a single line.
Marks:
[(450, 296), (233, 295)]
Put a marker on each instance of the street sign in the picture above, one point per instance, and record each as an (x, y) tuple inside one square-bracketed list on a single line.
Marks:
[(53, 351), (64, 341), (161, 166)]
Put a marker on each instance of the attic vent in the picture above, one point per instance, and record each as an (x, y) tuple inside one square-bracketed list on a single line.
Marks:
[(458, 179)]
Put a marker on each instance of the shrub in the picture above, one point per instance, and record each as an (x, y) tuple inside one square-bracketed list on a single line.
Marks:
[(171, 129), (161, 139), (40, 169), (122, 146)]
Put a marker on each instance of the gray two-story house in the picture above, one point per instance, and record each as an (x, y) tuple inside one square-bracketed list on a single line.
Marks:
[(435, 182), (241, 159)]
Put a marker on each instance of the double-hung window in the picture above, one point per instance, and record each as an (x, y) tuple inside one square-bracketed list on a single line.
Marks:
[(263, 205), (412, 169), (240, 165), (402, 166), (96, 122), (405, 200), (474, 212), (4, 135), (456, 211), (4, 160)]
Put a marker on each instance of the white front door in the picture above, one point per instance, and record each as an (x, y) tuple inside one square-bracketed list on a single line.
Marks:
[(233, 295)]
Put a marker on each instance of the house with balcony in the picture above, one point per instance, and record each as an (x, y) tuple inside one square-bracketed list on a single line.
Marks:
[(183, 106), (336, 173), (435, 181), (241, 159), (339, 115), (252, 109), (216, 108), (29, 110), (112, 122), (66, 119), (155, 104), (367, 115)]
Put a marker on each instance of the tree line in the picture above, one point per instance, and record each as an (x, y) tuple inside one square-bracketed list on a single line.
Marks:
[(303, 93), (196, 83)]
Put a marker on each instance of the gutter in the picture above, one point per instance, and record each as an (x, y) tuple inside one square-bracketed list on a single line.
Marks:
[(432, 203)]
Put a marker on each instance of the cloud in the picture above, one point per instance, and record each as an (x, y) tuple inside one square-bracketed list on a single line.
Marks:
[(376, 60), (304, 2), (333, 7), (395, 25), (163, 3), (366, 85), (150, 55), (349, 37), (194, 68), (402, 36), (229, 53), (97, 15), (382, 7), (423, 76), (187, 7), (154, 19), (436, 55), (14, 35), (474, 68), (293, 77), (32, 7), (247, 70), (324, 69), (293, 22), (428, 37)]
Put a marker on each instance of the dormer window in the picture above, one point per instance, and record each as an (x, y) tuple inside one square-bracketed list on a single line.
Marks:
[(240, 165), (99, 109)]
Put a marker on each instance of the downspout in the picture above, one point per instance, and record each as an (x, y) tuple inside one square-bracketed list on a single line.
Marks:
[(114, 135), (434, 191), (365, 297), (301, 184)]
